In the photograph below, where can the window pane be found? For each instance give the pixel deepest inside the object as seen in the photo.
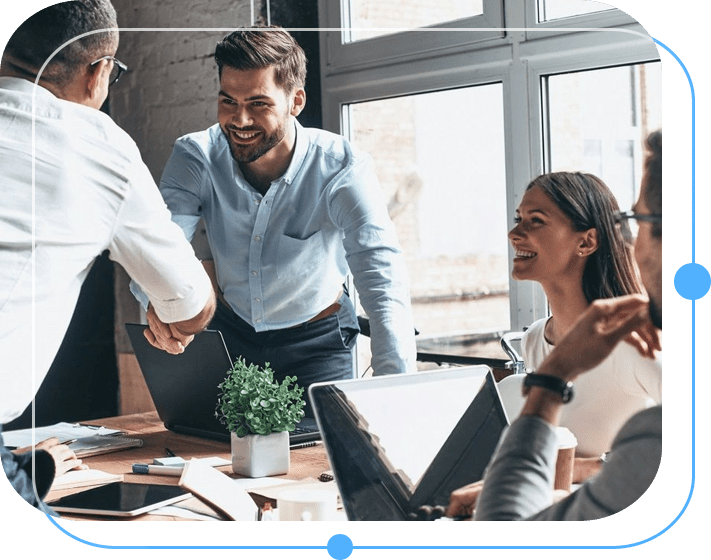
(557, 9)
(440, 161)
(404, 14)
(599, 120)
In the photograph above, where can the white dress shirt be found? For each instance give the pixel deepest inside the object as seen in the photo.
(74, 185)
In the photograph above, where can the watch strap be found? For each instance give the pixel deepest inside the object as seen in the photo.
(551, 383)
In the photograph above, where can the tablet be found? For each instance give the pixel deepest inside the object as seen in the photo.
(119, 499)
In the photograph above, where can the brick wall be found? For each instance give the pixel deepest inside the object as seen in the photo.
(171, 88)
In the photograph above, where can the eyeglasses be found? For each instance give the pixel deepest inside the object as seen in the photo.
(118, 68)
(622, 220)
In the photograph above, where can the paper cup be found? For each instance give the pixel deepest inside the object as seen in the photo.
(567, 443)
(306, 505)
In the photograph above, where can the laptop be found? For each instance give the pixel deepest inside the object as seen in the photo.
(184, 387)
(399, 442)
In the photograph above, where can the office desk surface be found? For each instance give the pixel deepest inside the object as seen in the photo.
(305, 462)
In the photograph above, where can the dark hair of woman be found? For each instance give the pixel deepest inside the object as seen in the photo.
(589, 203)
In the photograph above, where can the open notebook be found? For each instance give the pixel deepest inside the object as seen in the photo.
(399, 442)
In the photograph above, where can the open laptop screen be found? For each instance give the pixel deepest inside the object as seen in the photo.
(400, 441)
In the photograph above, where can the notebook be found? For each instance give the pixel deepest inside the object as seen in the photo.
(184, 387)
(399, 442)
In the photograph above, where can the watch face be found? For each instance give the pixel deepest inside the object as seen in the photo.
(568, 393)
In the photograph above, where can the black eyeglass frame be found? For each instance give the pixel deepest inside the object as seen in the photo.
(630, 215)
(120, 65)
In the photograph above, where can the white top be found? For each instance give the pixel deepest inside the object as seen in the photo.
(604, 398)
(91, 193)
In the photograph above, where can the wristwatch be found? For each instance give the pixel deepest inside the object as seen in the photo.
(551, 383)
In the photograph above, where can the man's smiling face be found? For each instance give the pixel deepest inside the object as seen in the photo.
(253, 112)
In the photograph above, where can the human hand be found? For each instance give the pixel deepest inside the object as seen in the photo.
(463, 500)
(646, 339)
(596, 333)
(164, 336)
(585, 467)
(64, 458)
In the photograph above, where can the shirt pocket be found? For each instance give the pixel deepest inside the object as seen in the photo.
(298, 257)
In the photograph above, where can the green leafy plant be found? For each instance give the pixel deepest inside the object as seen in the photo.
(252, 402)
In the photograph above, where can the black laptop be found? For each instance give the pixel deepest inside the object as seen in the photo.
(184, 387)
(398, 443)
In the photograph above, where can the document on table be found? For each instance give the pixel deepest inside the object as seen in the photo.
(64, 431)
(84, 477)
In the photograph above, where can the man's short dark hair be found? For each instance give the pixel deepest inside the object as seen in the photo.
(47, 30)
(653, 178)
(260, 47)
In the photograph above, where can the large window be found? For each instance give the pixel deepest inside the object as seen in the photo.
(549, 10)
(373, 18)
(446, 188)
(598, 121)
(460, 116)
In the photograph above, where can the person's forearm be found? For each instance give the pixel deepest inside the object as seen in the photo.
(543, 403)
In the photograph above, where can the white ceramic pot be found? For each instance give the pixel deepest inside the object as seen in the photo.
(256, 456)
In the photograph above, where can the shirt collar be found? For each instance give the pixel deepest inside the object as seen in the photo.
(25, 86)
(301, 148)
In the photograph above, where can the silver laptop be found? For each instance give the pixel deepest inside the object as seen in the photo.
(400, 442)
(184, 387)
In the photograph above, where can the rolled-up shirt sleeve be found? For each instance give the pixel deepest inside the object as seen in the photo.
(157, 255)
(378, 267)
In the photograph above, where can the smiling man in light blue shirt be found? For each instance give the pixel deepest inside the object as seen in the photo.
(289, 212)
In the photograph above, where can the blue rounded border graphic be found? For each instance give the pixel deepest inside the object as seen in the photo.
(692, 282)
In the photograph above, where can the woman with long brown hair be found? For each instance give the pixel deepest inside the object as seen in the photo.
(566, 238)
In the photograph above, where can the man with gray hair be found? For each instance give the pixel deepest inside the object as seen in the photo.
(74, 186)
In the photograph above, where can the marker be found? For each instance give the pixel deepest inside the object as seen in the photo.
(141, 468)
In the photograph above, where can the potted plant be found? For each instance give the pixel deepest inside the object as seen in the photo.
(259, 412)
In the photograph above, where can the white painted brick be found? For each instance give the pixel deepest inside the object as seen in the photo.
(172, 85)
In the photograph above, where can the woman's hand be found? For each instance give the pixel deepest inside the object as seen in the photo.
(64, 458)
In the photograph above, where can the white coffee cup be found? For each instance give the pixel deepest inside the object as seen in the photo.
(306, 505)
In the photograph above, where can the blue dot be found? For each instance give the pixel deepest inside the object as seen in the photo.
(692, 281)
(340, 547)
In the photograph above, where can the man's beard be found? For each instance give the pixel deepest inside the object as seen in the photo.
(252, 152)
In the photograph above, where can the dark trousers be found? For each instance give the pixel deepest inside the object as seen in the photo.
(318, 351)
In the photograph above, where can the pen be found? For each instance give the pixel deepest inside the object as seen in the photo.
(141, 468)
(305, 444)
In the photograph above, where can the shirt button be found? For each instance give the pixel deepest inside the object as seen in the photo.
(257, 238)
(254, 273)
(257, 299)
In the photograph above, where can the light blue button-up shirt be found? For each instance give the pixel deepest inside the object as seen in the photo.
(282, 258)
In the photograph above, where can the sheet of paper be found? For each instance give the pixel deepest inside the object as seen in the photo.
(86, 477)
(64, 431)
(216, 489)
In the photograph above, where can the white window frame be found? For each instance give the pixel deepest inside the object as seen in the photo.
(517, 57)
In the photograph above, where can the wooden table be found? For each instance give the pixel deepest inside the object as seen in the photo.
(305, 462)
